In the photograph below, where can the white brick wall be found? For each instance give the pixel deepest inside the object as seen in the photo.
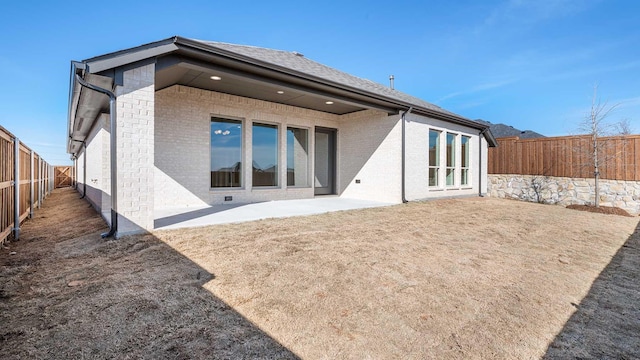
(106, 167)
(368, 146)
(135, 149)
(94, 165)
(80, 179)
(370, 151)
(97, 180)
(417, 135)
(182, 147)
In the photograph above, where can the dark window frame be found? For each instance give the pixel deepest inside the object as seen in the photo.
(264, 177)
(229, 176)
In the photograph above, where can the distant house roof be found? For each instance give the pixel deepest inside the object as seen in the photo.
(267, 66)
(503, 130)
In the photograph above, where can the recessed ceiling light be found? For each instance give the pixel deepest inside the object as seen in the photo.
(329, 102)
(216, 78)
(280, 92)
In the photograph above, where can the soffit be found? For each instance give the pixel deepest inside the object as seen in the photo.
(89, 106)
(255, 86)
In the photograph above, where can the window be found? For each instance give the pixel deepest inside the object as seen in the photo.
(226, 152)
(265, 155)
(451, 159)
(297, 157)
(464, 161)
(434, 157)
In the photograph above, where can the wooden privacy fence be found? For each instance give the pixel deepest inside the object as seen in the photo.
(25, 181)
(567, 156)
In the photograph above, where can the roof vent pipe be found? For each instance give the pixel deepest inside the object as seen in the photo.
(391, 78)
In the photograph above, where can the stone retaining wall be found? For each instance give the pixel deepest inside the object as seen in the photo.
(566, 191)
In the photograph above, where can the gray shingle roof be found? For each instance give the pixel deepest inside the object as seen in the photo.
(503, 130)
(302, 64)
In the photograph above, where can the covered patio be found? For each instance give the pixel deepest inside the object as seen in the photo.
(185, 217)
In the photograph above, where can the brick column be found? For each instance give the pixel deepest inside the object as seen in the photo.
(135, 153)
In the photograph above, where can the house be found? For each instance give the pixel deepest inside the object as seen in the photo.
(183, 122)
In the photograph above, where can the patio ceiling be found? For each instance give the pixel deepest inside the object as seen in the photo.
(188, 72)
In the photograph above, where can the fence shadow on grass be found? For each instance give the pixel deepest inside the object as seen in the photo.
(70, 294)
(606, 324)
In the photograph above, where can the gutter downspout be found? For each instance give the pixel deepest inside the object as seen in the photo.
(480, 161)
(404, 146)
(114, 171)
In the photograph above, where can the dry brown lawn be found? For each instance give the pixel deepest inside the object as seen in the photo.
(466, 278)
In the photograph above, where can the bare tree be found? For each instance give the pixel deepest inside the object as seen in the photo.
(623, 127)
(540, 184)
(595, 124)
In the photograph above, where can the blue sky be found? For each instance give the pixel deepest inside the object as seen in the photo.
(528, 63)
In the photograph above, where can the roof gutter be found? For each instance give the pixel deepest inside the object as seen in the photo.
(114, 171)
(75, 66)
(404, 147)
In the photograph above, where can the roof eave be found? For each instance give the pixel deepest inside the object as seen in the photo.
(128, 56)
(446, 116)
(485, 131)
(491, 140)
(84, 104)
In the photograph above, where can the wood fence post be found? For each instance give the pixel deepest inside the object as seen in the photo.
(16, 189)
(31, 184)
(42, 177)
(39, 182)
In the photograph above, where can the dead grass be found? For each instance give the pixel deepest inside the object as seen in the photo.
(68, 294)
(470, 278)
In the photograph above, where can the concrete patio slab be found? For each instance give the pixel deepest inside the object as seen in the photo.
(176, 218)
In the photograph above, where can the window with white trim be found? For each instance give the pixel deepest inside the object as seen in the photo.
(464, 161)
(434, 157)
(451, 160)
